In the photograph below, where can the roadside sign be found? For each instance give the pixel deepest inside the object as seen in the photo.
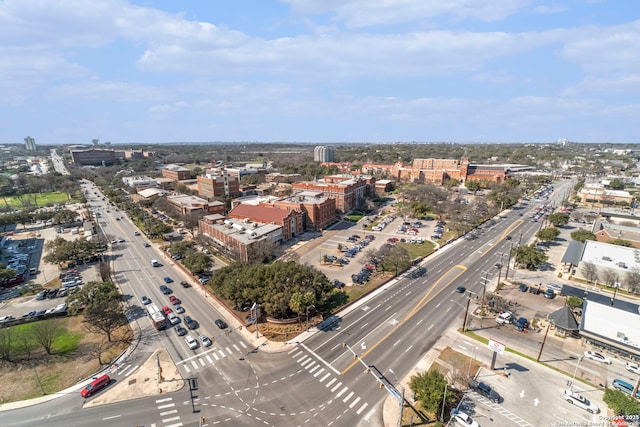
(496, 346)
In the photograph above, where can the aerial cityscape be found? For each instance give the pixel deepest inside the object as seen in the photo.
(297, 284)
(313, 213)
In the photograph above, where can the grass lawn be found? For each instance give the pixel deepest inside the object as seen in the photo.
(36, 199)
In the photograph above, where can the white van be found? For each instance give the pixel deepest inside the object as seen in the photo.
(155, 263)
(504, 318)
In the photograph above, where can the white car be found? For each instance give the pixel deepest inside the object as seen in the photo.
(206, 341)
(580, 401)
(465, 420)
(191, 342)
(598, 357)
(632, 367)
(504, 318)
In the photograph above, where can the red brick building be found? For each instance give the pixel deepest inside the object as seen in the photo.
(211, 186)
(318, 210)
(176, 173)
(290, 219)
(347, 191)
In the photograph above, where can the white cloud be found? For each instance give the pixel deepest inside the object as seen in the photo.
(366, 13)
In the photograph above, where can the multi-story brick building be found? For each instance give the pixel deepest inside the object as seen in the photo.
(93, 157)
(235, 237)
(222, 184)
(438, 171)
(318, 210)
(187, 204)
(289, 218)
(176, 173)
(348, 192)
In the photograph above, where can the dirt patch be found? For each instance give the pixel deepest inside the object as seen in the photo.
(37, 373)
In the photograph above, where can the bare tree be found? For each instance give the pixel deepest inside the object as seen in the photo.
(106, 318)
(590, 272)
(46, 332)
(632, 280)
(6, 343)
(610, 277)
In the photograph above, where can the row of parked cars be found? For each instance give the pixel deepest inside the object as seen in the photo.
(382, 224)
(438, 230)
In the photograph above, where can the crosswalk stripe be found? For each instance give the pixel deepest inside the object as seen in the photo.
(348, 397)
(168, 420)
(302, 358)
(215, 356)
(131, 371)
(194, 364)
(342, 391)
(298, 352)
(335, 387)
(355, 402)
(229, 351)
(166, 399)
(122, 369)
(202, 362)
(359, 411)
(208, 358)
(221, 353)
(243, 344)
(172, 425)
(333, 380)
(236, 347)
(165, 413)
(318, 373)
(168, 405)
(313, 369)
(306, 362)
(186, 368)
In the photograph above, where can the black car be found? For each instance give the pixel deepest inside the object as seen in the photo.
(165, 289)
(180, 330)
(461, 289)
(534, 290)
(185, 284)
(523, 287)
(485, 390)
(220, 323)
(191, 324)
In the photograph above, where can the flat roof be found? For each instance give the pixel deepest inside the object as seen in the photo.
(607, 255)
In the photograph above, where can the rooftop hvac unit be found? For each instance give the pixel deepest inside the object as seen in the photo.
(253, 234)
(238, 227)
(254, 225)
(247, 221)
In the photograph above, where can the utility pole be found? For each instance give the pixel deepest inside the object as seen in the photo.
(544, 339)
(466, 313)
(506, 274)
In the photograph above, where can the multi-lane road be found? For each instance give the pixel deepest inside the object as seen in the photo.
(314, 382)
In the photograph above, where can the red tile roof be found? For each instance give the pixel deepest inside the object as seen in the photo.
(260, 213)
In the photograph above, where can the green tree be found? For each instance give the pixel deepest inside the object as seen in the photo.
(621, 242)
(394, 258)
(106, 318)
(582, 235)
(559, 218)
(428, 388)
(530, 257)
(473, 185)
(616, 184)
(548, 234)
(574, 302)
(197, 262)
(621, 403)
(92, 295)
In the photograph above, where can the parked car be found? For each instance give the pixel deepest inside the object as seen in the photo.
(504, 318)
(523, 288)
(580, 401)
(465, 419)
(485, 390)
(522, 324)
(549, 294)
(597, 357)
(185, 284)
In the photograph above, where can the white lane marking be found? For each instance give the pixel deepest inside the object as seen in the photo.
(318, 373)
(167, 399)
(167, 420)
(236, 347)
(348, 397)
(229, 351)
(335, 387)
(194, 364)
(186, 368)
(209, 359)
(333, 380)
(307, 362)
(221, 353)
(131, 370)
(325, 376)
(243, 344)
(302, 358)
(313, 369)
(165, 413)
(202, 362)
(215, 356)
(110, 418)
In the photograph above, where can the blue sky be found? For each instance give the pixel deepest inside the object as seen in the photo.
(153, 71)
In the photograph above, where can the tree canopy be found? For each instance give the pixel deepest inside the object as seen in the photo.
(273, 287)
(429, 390)
(559, 218)
(582, 235)
(530, 257)
(548, 234)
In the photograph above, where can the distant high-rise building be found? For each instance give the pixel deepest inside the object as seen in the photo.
(30, 143)
(323, 153)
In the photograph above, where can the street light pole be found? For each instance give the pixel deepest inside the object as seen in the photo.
(575, 371)
(466, 313)
(307, 311)
(444, 400)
